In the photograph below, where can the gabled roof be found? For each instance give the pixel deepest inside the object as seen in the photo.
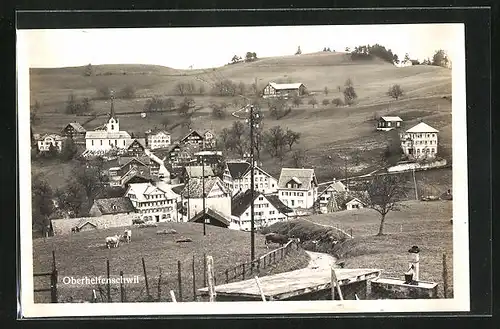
(305, 176)
(197, 171)
(391, 118)
(144, 175)
(276, 202)
(140, 190)
(355, 200)
(192, 132)
(157, 131)
(213, 214)
(140, 141)
(114, 205)
(55, 137)
(281, 86)
(167, 188)
(422, 128)
(101, 134)
(241, 201)
(193, 189)
(122, 161)
(337, 186)
(76, 126)
(238, 169)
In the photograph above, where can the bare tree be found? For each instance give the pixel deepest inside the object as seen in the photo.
(180, 89)
(313, 102)
(275, 140)
(384, 194)
(291, 137)
(395, 91)
(298, 158)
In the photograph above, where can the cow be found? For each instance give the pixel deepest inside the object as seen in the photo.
(75, 229)
(112, 241)
(276, 238)
(127, 236)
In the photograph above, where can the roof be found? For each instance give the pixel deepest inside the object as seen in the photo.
(391, 118)
(144, 173)
(281, 86)
(209, 212)
(422, 128)
(191, 133)
(178, 189)
(142, 189)
(305, 176)
(241, 201)
(238, 169)
(355, 200)
(276, 202)
(122, 161)
(193, 189)
(105, 134)
(114, 205)
(197, 171)
(53, 136)
(337, 186)
(141, 141)
(157, 131)
(78, 127)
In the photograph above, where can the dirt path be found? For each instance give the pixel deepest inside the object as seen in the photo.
(320, 260)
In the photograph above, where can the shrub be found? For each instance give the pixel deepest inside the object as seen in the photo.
(337, 102)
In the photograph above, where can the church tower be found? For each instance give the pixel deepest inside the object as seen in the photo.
(113, 124)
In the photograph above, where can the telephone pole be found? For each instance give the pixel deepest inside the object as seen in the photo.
(203, 191)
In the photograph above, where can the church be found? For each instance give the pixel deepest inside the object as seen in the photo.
(109, 136)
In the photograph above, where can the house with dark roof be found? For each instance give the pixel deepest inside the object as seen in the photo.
(74, 130)
(126, 167)
(211, 217)
(136, 147)
(237, 177)
(268, 209)
(326, 192)
(216, 195)
(192, 138)
(298, 187)
(111, 206)
(196, 172)
(387, 123)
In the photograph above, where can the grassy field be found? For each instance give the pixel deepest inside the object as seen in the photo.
(425, 224)
(85, 254)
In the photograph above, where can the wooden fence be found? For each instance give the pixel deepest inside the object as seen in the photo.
(53, 280)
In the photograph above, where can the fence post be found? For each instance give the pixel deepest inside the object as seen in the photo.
(194, 282)
(145, 277)
(159, 287)
(243, 272)
(204, 270)
(211, 281)
(274, 257)
(122, 299)
(179, 279)
(445, 277)
(53, 280)
(258, 266)
(264, 261)
(352, 236)
(227, 276)
(108, 286)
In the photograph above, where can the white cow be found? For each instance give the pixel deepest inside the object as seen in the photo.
(127, 235)
(112, 241)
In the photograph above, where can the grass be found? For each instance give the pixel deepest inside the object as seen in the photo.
(84, 254)
(425, 224)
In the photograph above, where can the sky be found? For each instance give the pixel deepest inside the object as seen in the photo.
(211, 47)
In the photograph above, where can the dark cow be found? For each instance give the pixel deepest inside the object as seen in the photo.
(75, 229)
(276, 238)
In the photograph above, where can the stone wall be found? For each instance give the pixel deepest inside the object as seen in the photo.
(397, 289)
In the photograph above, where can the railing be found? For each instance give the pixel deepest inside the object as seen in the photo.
(246, 270)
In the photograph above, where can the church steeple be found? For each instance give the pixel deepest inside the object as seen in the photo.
(113, 124)
(112, 110)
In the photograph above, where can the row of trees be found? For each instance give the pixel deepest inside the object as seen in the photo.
(159, 104)
(249, 57)
(369, 52)
(76, 106)
(104, 92)
(189, 88)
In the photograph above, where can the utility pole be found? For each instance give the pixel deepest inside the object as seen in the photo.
(415, 184)
(252, 184)
(203, 189)
(187, 183)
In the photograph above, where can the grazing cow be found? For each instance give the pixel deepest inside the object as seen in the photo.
(112, 241)
(276, 238)
(127, 236)
(75, 229)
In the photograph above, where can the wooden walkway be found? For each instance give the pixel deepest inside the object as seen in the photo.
(291, 284)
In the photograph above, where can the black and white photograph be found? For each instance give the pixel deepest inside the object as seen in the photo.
(255, 169)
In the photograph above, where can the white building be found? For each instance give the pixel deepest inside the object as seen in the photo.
(153, 203)
(298, 188)
(354, 204)
(387, 123)
(283, 90)
(108, 137)
(268, 209)
(420, 141)
(158, 139)
(237, 177)
(326, 194)
(217, 196)
(50, 139)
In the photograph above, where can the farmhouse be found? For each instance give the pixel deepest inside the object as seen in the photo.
(127, 167)
(420, 141)
(193, 138)
(196, 172)
(208, 139)
(268, 209)
(326, 195)
(111, 206)
(283, 90)
(298, 188)
(46, 141)
(157, 139)
(152, 202)
(211, 217)
(210, 158)
(74, 130)
(136, 147)
(237, 176)
(389, 122)
(354, 204)
(216, 195)
(103, 140)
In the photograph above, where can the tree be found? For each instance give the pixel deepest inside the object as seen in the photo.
(169, 103)
(90, 176)
(277, 108)
(180, 89)
(406, 59)
(325, 102)
(218, 111)
(73, 198)
(154, 104)
(296, 101)
(337, 102)
(440, 58)
(128, 92)
(393, 151)
(347, 49)
(41, 200)
(69, 150)
(71, 104)
(325, 91)
(89, 70)
(236, 59)
(254, 56)
(349, 92)
(395, 91)
(298, 158)
(189, 101)
(298, 52)
(35, 108)
(52, 152)
(291, 137)
(238, 133)
(242, 88)
(275, 141)
(313, 102)
(328, 49)
(249, 57)
(384, 194)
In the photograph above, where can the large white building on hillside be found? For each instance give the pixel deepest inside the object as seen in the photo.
(217, 196)
(420, 141)
(153, 203)
(108, 137)
(237, 177)
(298, 188)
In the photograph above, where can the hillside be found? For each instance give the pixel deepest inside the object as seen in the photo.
(325, 130)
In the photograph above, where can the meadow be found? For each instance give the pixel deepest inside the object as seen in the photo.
(327, 132)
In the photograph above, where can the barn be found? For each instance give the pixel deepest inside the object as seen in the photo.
(284, 90)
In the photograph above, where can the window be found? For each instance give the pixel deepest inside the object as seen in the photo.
(101, 142)
(109, 141)
(92, 142)
(309, 193)
(123, 142)
(432, 150)
(261, 198)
